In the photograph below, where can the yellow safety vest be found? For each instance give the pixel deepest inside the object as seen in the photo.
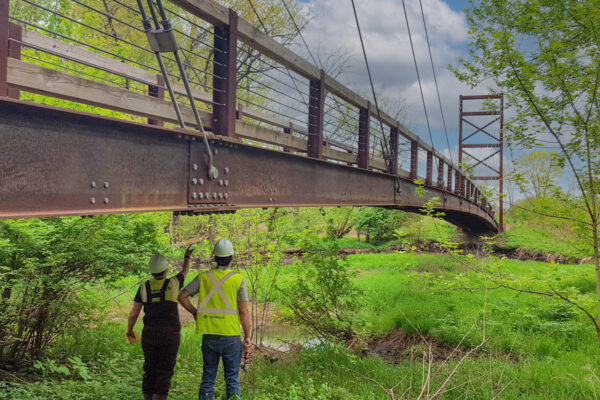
(217, 303)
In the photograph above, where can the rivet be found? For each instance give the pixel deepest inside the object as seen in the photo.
(201, 181)
(93, 200)
(220, 196)
(226, 182)
(194, 181)
(206, 195)
(270, 199)
(201, 195)
(216, 151)
(226, 195)
(220, 182)
(106, 185)
(179, 136)
(93, 184)
(195, 167)
(214, 195)
(226, 170)
(106, 200)
(193, 138)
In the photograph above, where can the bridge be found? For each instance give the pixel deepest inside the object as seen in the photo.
(333, 149)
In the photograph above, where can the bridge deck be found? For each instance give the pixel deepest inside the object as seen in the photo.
(58, 162)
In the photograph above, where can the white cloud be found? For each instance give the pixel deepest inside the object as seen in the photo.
(388, 49)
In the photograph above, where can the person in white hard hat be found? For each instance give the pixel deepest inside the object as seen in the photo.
(222, 307)
(161, 333)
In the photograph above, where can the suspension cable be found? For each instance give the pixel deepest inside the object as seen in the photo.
(299, 32)
(436, 82)
(287, 70)
(367, 63)
(412, 47)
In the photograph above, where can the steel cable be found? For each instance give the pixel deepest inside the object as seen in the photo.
(436, 82)
(412, 47)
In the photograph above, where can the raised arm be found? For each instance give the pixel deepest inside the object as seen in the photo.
(186, 261)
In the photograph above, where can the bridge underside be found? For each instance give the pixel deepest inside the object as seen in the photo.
(57, 163)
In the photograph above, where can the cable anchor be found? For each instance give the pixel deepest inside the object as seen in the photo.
(162, 39)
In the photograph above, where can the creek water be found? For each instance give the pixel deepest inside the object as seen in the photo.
(285, 338)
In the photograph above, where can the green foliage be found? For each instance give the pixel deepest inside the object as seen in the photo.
(46, 262)
(537, 350)
(377, 222)
(323, 299)
(536, 174)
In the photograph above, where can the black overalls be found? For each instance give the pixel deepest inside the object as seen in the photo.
(161, 334)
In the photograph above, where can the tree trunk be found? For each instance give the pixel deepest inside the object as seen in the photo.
(597, 265)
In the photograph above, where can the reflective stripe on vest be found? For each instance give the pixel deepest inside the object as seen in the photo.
(217, 307)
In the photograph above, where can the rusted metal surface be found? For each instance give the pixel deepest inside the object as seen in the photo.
(57, 162)
(3, 46)
(158, 92)
(316, 109)
(414, 160)
(224, 78)
(14, 51)
(429, 170)
(440, 175)
(491, 141)
(364, 136)
(393, 163)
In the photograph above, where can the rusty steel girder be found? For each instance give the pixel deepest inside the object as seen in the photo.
(55, 162)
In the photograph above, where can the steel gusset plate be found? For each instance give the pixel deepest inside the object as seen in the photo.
(56, 162)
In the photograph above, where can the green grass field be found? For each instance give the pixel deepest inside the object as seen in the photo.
(537, 348)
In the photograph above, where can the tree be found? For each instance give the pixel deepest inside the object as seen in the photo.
(323, 298)
(377, 222)
(544, 55)
(536, 174)
(44, 263)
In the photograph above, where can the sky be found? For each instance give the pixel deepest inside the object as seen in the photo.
(389, 53)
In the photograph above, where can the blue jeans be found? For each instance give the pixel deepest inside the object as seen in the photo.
(229, 348)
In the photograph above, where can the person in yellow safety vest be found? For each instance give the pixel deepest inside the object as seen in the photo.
(161, 333)
(222, 306)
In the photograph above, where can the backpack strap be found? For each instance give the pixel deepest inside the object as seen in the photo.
(160, 295)
(163, 290)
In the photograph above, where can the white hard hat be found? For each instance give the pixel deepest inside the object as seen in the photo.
(158, 263)
(223, 248)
